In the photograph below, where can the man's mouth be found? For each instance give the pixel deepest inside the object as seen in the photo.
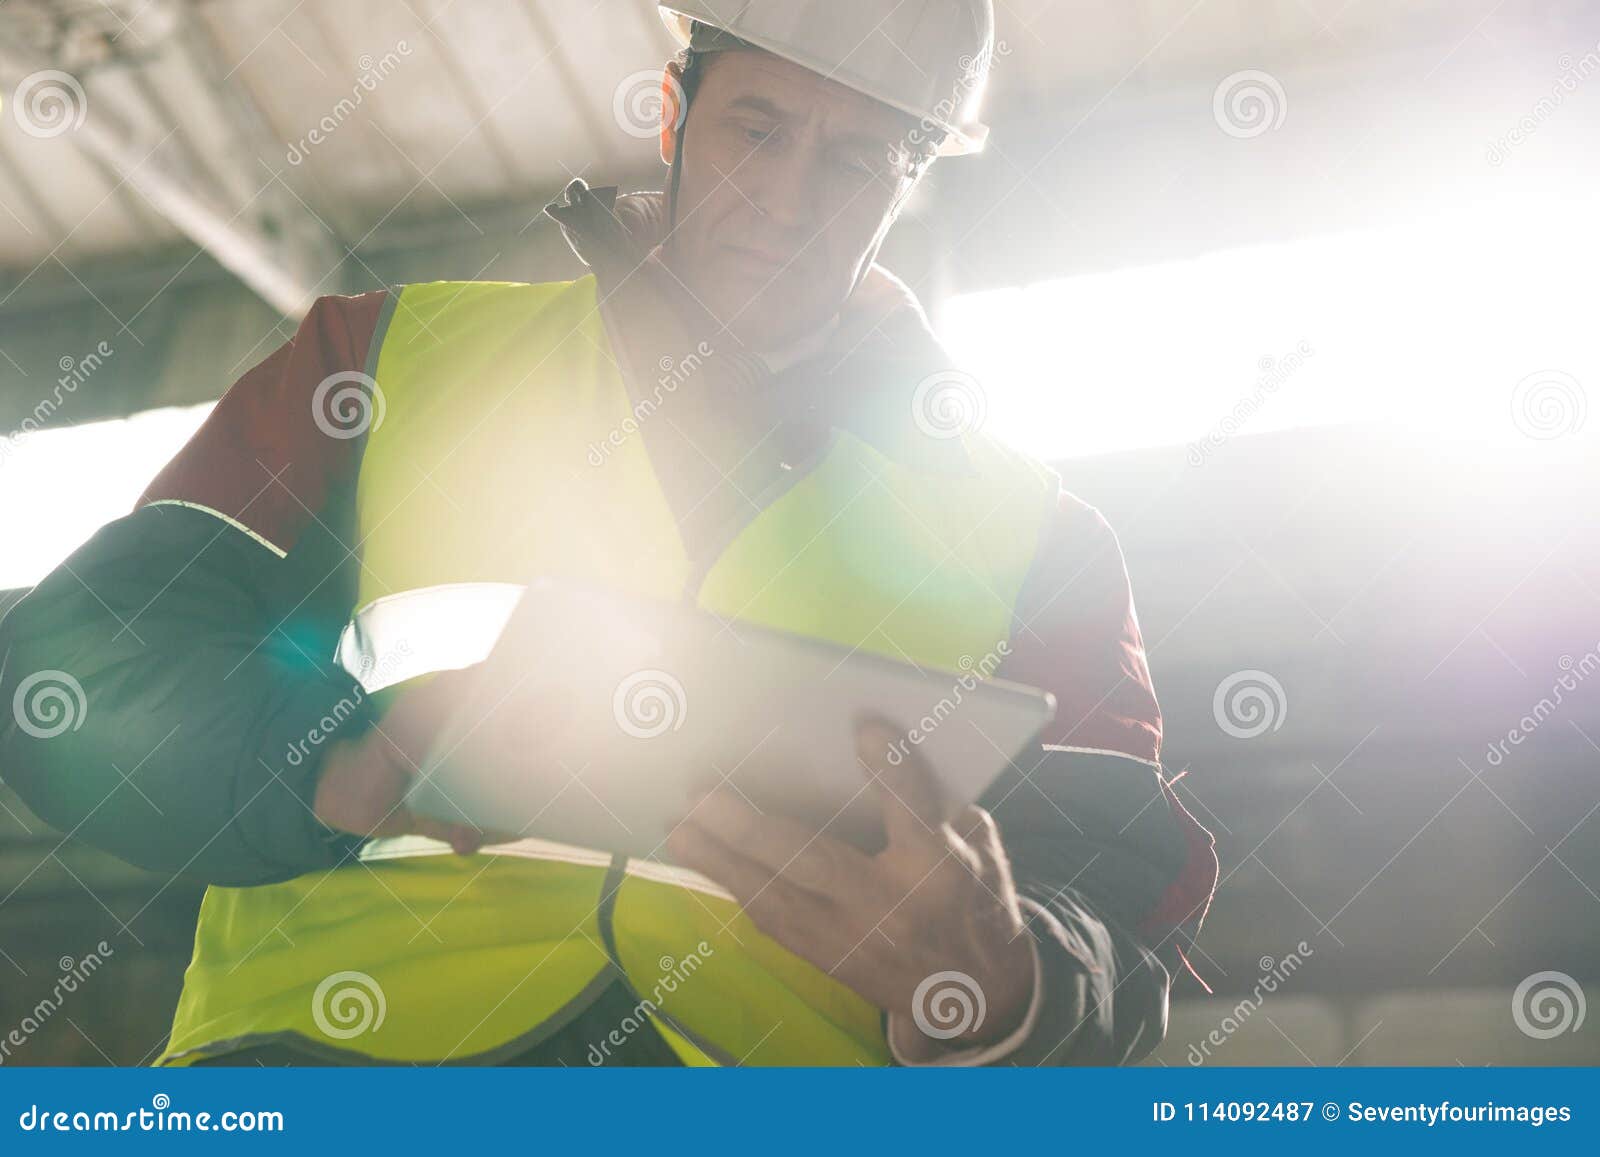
(762, 260)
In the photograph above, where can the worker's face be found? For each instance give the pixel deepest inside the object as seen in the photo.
(789, 183)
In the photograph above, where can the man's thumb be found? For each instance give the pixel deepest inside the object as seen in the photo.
(913, 806)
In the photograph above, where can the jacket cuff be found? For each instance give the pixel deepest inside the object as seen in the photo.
(914, 1049)
(274, 800)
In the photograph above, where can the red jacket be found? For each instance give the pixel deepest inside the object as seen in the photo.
(201, 657)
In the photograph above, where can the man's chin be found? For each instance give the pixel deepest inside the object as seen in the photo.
(767, 323)
(759, 312)
(770, 338)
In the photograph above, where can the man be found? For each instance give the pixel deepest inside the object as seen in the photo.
(735, 409)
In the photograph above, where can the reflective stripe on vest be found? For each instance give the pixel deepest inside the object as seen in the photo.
(482, 474)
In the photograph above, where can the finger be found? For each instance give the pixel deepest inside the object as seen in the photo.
(794, 917)
(694, 847)
(462, 838)
(913, 805)
(799, 854)
(980, 847)
(977, 827)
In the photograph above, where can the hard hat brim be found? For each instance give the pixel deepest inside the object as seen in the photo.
(958, 141)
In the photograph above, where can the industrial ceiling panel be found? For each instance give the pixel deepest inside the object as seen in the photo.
(93, 211)
(508, 85)
(28, 227)
(405, 69)
(438, 110)
(615, 55)
(280, 56)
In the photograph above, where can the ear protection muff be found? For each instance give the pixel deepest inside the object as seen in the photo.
(688, 77)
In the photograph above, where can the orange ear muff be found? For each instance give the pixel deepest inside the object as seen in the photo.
(674, 107)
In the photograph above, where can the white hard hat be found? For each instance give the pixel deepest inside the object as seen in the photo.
(929, 58)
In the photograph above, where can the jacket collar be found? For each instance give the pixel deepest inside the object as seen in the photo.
(861, 371)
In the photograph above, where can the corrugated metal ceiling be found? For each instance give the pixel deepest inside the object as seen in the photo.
(438, 106)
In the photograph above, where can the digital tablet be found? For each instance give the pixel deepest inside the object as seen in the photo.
(598, 718)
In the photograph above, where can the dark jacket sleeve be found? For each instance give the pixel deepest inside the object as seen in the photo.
(172, 682)
(1115, 872)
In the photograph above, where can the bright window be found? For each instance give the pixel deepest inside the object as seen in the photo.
(1479, 326)
(58, 486)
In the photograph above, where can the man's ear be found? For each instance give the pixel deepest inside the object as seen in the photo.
(673, 110)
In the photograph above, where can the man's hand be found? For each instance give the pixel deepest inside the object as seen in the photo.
(364, 781)
(938, 898)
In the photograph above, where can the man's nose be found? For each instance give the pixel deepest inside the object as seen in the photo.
(790, 188)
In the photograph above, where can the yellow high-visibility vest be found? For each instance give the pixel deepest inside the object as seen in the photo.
(482, 471)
